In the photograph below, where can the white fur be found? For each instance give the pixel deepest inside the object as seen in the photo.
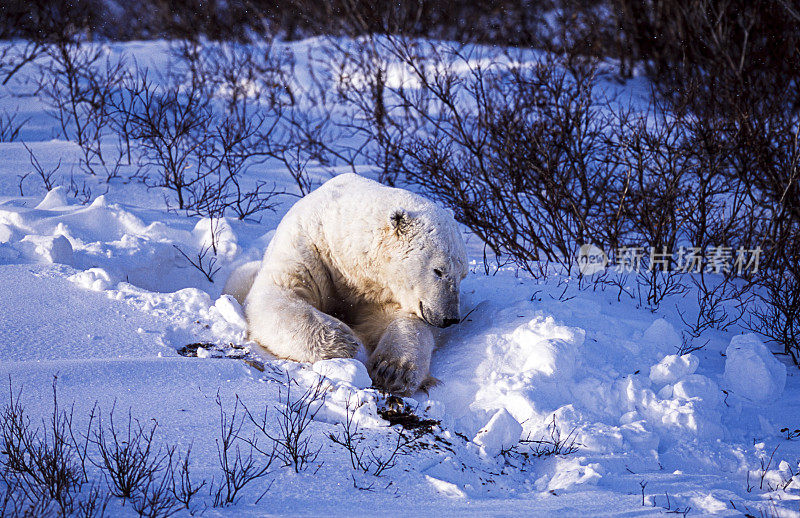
(353, 263)
(241, 279)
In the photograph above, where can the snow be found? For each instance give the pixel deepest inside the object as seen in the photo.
(344, 370)
(5, 234)
(95, 279)
(47, 318)
(501, 433)
(660, 338)
(54, 199)
(673, 368)
(51, 249)
(751, 371)
(99, 295)
(445, 488)
(230, 309)
(219, 232)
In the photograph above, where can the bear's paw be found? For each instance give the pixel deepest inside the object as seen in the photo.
(335, 340)
(395, 375)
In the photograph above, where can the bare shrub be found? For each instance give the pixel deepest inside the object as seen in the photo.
(359, 67)
(364, 458)
(262, 114)
(291, 443)
(45, 175)
(82, 192)
(42, 460)
(555, 442)
(183, 486)
(237, 143)
(733, 67)
(13, 57)
(48, 20)
(169, 124)
(10, 127)
(519, 152)
(241, 74)
(77, 81)
(267, 114)
(42, 468)
(351, 439)
(505, 22)
(651, 151)
(203, 133)
(94, 504)
(205, 264)
(234, 148)
(720, 304)
(128, 455)
(155, 479)
(778, 315)
(239, 469)
(33, 24)
(731, 47)
(777, 312)
(154, 497)
(10, 504)
(514, 22)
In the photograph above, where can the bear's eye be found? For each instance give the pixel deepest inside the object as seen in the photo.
(438, 272)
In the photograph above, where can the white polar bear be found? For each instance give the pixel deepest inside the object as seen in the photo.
(353, 263)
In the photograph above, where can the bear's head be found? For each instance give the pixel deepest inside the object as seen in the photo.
(425, 257)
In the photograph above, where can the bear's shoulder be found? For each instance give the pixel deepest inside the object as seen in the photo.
(345, 187)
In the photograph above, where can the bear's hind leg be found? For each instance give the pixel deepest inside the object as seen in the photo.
(401, 360)
(291, 328)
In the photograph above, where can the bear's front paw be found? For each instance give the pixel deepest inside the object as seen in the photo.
(396, 375)
(336, 341)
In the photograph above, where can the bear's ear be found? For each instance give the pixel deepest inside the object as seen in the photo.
(399, 221)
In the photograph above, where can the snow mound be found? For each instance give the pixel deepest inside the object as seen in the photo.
(216, 234)
(55, 198)
(345, 370)
(95, 279)
(513, 359)
(570, 472)
(697, 387)
(5, 234)
(126, 242)
(661, 337)
(673, 368)
(553, 377)
(500, 433)
(230, 309)
(50, 249)
(445, 488)
(751, 371)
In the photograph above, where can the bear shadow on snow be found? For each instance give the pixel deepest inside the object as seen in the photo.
(357, 263)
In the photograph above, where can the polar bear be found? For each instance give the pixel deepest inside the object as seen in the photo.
(357, 263)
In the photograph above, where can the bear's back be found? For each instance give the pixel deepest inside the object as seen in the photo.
(367, 195)
(347, 215)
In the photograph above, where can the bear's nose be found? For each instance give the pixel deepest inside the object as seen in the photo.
(450, 321)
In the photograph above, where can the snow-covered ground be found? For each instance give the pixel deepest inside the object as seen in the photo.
(99, 295)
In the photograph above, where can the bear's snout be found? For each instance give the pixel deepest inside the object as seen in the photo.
(438, 319)
(450, 322)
